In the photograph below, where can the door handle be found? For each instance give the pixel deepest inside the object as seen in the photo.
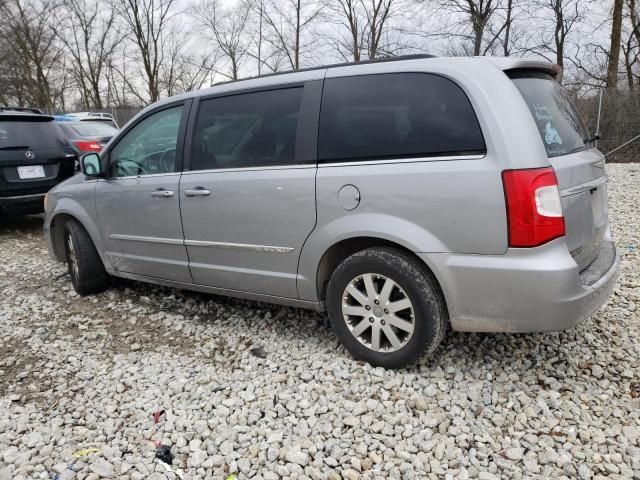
(197, 192)
(161, 193)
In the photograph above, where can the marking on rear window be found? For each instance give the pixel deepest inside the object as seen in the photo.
(551, 135)
(542, 114)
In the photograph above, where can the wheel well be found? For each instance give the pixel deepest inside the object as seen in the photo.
(345, 248)
(57, 234)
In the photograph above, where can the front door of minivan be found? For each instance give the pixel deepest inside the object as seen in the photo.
(248, 197)
(138, 204)
(580, 169)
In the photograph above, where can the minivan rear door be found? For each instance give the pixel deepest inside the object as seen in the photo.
(579, 167)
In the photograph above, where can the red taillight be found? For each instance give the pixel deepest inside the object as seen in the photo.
(91, 146)
(534, 212)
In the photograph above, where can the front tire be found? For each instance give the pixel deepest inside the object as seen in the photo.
(84, 264)
(385, 307)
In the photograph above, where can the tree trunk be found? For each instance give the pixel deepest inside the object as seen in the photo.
(297, 46)
(507, 31)
(614, 50)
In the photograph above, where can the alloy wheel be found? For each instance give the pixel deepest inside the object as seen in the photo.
(378, 312)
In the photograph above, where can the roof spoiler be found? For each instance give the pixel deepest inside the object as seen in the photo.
(509, 63)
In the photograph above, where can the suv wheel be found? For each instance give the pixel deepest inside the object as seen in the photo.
(85, 266)
(385, 307)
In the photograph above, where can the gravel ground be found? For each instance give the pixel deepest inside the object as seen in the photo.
(266, 392)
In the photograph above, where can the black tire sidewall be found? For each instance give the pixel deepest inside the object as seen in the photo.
(418, 287)
(69, 232)
(92, 277)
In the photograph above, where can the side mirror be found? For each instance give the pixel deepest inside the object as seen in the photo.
(90, 164)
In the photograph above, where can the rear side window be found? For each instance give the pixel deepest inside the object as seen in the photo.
(31, 135)
(560, 127)
(398, 115)
(247, 130)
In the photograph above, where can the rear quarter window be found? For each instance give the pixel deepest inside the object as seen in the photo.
(560, 127)
(397, 115)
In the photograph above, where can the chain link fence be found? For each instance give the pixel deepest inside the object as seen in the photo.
(618, 123)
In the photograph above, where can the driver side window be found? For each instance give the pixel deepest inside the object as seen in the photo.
(149, 148)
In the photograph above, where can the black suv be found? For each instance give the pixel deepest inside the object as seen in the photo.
(34, 157)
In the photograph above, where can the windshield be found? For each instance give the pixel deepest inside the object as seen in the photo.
(31, 135)
(90, 129)
(560, 127)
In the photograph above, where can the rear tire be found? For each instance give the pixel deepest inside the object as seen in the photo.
(386, 308)
(84, 264)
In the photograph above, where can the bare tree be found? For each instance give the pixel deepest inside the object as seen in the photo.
(349, 39)
(288, 22)
(508, 23)
(560, 18)
(183, 71)
(88, 32)
(631, 47)
(32, 53)
(477, 15)
(614, 48)
(228, 28)
(363, 28)
(146, 22)
(377, 14)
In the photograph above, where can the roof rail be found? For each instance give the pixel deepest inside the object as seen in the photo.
(417, 56)
(21, 109)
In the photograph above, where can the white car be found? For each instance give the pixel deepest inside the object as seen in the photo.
(94, 117)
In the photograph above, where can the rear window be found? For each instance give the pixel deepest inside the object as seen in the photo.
(560, 127)
(33, 135)
(397, 115)
(89, 129)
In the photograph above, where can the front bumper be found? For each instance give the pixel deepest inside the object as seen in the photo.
(23, 203)
(525, 290)
(46, 230)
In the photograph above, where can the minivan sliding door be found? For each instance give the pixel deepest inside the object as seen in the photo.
(248, 197)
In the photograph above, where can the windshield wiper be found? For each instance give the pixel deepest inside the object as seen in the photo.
(15, 147)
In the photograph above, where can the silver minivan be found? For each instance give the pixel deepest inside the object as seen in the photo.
(401, 196)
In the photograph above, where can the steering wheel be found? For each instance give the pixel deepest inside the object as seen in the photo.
(128, 168)
(167, 160)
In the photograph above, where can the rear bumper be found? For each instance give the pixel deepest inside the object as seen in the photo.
(23, 203)
(525, 290)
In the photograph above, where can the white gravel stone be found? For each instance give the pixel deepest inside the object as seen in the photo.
(102, 468)
(514, 453)
(296, 456)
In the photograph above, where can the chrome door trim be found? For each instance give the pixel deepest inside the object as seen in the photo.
(238, 246)
(137, 238)
(146, 175)
(252, 169)
(400, 160)
(584, 187)
(202, 243)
